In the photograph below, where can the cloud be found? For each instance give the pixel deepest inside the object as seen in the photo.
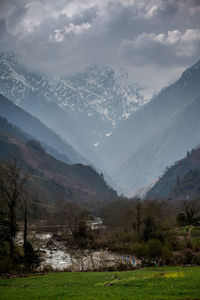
(173, 48)
(67, 36)
(6, 9)
(59, 35)
(77, 29)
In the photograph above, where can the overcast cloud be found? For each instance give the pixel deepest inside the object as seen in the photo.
(155, 40)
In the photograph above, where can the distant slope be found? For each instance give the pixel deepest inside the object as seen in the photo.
(154, 115)
(52, 180)
(38, 130)
(156, 135)
(161, 149)
(181, 179)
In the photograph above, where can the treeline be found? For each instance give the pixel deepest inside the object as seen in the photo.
(161, 232)
(158, 232)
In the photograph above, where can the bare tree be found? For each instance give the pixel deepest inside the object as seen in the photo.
(189, 210)
(12, 184)
(25, 200)
(138, 218)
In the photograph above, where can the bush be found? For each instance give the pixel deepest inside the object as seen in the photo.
(151, 252)
(138, 249)
(181, 219)
(8, 265)
(31, 258)
(153, 249)
(187, 257)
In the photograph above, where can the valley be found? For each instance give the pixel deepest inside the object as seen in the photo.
(105, 121)
(99, 149)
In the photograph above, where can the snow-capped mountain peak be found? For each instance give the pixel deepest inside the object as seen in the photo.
(98, 97)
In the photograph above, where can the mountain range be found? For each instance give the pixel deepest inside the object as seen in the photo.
(83, 108)
(105, 119)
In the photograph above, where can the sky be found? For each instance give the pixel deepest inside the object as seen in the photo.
(154, 40)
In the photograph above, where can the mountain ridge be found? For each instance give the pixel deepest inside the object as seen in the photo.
(50, 179)
(93, 101)
(152, 138)
(37, 129)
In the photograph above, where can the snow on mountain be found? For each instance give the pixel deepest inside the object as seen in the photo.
(12, 80)
(97, 91)
(104, 92)
(84, 108)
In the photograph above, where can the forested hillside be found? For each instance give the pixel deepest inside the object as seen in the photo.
(180, 180)
(52, 180)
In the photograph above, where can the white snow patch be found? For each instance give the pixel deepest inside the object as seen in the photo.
(108, 134)
(126, 115)
(96, 144)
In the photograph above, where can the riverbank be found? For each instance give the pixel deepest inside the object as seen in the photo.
(55, 255)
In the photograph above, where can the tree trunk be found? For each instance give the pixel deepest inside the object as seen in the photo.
(13, 229)
(25, 228)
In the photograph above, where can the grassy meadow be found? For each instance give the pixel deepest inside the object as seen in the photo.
(149, 283)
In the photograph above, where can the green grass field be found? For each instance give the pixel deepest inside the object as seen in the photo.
(151, 283)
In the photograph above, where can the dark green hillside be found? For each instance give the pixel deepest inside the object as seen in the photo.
(181, 179)
(188, 187)
(53, 180)
(38, 130)
(9, 128)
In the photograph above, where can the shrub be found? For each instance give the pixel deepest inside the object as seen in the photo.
(151, 252)
(31, 258)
